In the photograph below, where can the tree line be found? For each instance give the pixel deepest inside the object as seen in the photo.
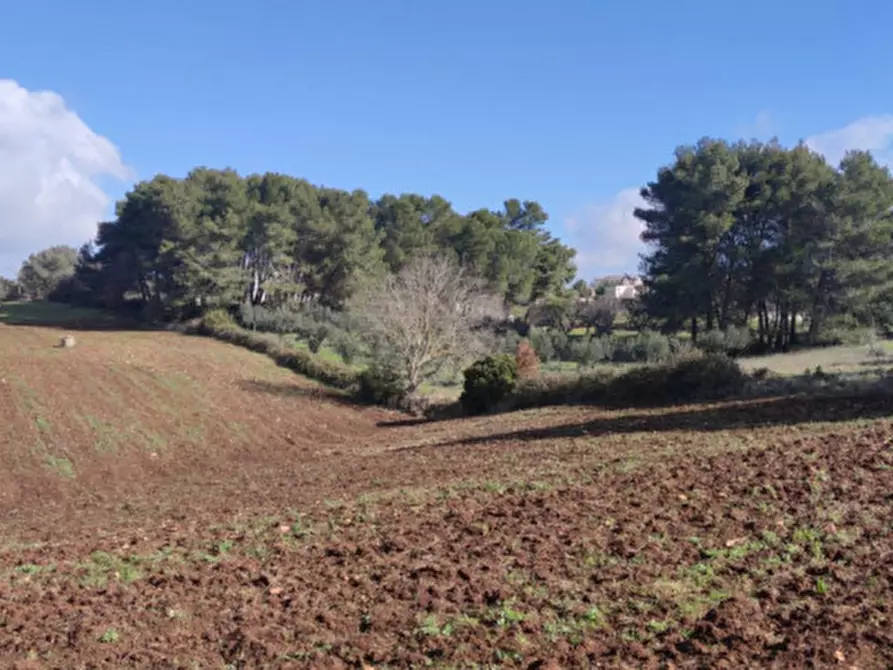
(752, 234)
(178, 247)
(739, 236)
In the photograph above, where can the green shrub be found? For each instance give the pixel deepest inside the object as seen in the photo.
(381, 384)
(712, 342)
(220, 325)
(217, 320)
(347, 348)
(694, 377)
(542, 344)
(310, 365)
(581, 352)
(738, 340)
(586, 388)
(691, 378)
(487, 382)
(652, 347)
(315, 337)
(647, 347)
(603, 348)
(561, 345)
(587, 352)
(310, 322)
(623, 350)
(834, 335)
(680, 348)
(732, 341)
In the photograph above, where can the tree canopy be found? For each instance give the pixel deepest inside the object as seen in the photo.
(738, 235)
(216, 238)
(43, 272)
(9, 290)
(749, 232)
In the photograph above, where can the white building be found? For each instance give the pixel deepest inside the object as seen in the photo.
(628, 288)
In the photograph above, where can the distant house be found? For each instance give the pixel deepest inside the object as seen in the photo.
(621, 287)
(628, 288)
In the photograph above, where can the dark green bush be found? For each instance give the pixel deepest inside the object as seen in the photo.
(380, 384)
(315, 337)
(487, 382)
(546, 390)
(694, 377)
(706, 377)
(690, 378)
(347, 347)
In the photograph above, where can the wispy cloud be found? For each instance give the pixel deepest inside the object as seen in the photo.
(606, 235)
(870, 133)
(50, 161)
(761, 128)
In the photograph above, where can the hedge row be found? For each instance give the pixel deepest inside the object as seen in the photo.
(691, 378)
(221, 326)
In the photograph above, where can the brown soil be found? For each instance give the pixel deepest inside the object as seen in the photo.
(172, 502)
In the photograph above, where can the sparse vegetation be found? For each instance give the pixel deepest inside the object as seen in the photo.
(222, 326)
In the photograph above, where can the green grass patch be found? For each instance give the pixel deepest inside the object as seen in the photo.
(61, 466)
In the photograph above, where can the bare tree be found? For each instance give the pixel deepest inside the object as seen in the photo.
(425, 318)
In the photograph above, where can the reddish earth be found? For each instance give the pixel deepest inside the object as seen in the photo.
(172, 502)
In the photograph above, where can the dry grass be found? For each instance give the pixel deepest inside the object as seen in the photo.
(841, 359)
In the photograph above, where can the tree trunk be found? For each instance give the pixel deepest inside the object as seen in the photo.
(763, 316)
(726, 300)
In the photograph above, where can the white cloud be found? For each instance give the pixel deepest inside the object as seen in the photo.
(870, 133)
(606, 235)
(50, 161)
(761, 128)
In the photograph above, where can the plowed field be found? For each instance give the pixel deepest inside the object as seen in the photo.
(173, 502)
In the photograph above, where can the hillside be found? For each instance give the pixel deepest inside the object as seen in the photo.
(171, 501)
(132, 408)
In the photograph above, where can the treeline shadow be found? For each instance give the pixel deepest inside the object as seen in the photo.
(763, 413)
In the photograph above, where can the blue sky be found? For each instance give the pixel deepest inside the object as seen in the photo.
(575, 104)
